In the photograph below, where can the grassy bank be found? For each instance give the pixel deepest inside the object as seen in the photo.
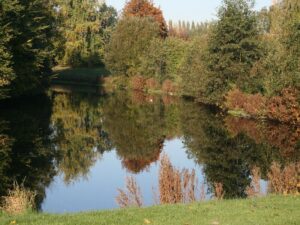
(82, 76)
(270, 210)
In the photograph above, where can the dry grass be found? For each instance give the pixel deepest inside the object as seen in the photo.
(285, 180)
(170, 188)
(254, 189)
(18, 200)
(219, 192)
(175, 186)
(132, 196)
(202, 192)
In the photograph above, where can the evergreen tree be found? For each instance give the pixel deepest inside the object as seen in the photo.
(27, 29)
(233, 47)
(6, 71)
(86, 27)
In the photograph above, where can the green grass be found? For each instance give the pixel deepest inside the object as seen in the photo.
(238, 113)
(277, 210)
(90, 76)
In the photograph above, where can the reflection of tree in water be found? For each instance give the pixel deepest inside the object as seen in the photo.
(136, 130)
(227, 158)
(78, 133)
(25, 146)
(5, 153)
(284, 137)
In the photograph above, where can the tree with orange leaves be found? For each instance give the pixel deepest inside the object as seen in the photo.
(146, 8)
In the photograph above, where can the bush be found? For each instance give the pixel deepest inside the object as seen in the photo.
(169, 87)
(18, 200)
(137, 83)
(253, 105)
(285, 108)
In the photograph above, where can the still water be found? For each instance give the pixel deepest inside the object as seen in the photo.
(75, 146)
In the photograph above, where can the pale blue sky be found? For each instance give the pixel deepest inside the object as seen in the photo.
(197, 10)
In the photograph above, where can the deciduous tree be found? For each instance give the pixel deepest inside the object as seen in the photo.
(145, 8)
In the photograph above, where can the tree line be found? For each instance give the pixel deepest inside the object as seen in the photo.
(37, 35)
(246, 61)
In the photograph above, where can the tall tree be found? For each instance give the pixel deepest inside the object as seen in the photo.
(233, 46)
(281, 67)
(86, 26)
(6, 71)
(145, 8)
(129, 43)
(27, 29)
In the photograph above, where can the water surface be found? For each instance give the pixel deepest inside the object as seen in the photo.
(75, 147)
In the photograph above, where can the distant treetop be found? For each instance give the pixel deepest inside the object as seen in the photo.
(145, 8)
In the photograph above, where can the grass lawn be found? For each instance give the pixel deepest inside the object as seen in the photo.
(90, 76)
(260, 211)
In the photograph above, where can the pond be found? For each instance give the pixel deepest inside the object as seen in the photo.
(75, 146)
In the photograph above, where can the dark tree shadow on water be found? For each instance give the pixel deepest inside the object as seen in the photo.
(26, 145)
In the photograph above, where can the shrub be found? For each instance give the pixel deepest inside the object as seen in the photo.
(252, 104)
(137, 83)
(169, 87)
(176, 186)
(18, 200)
(285, 180)
(285, 108)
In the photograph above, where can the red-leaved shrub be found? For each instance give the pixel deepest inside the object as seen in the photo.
(168, 86)
(137, 83)
(252, 104)
(285, 108)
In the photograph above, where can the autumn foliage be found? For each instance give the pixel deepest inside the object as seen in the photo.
(285, 107)
(169, 86)
(137, 83)
(285, 180)
(145, 8)
(251, 104)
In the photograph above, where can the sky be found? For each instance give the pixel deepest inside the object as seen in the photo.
(188, 10)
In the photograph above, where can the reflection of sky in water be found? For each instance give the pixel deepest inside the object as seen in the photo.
(99, 189)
